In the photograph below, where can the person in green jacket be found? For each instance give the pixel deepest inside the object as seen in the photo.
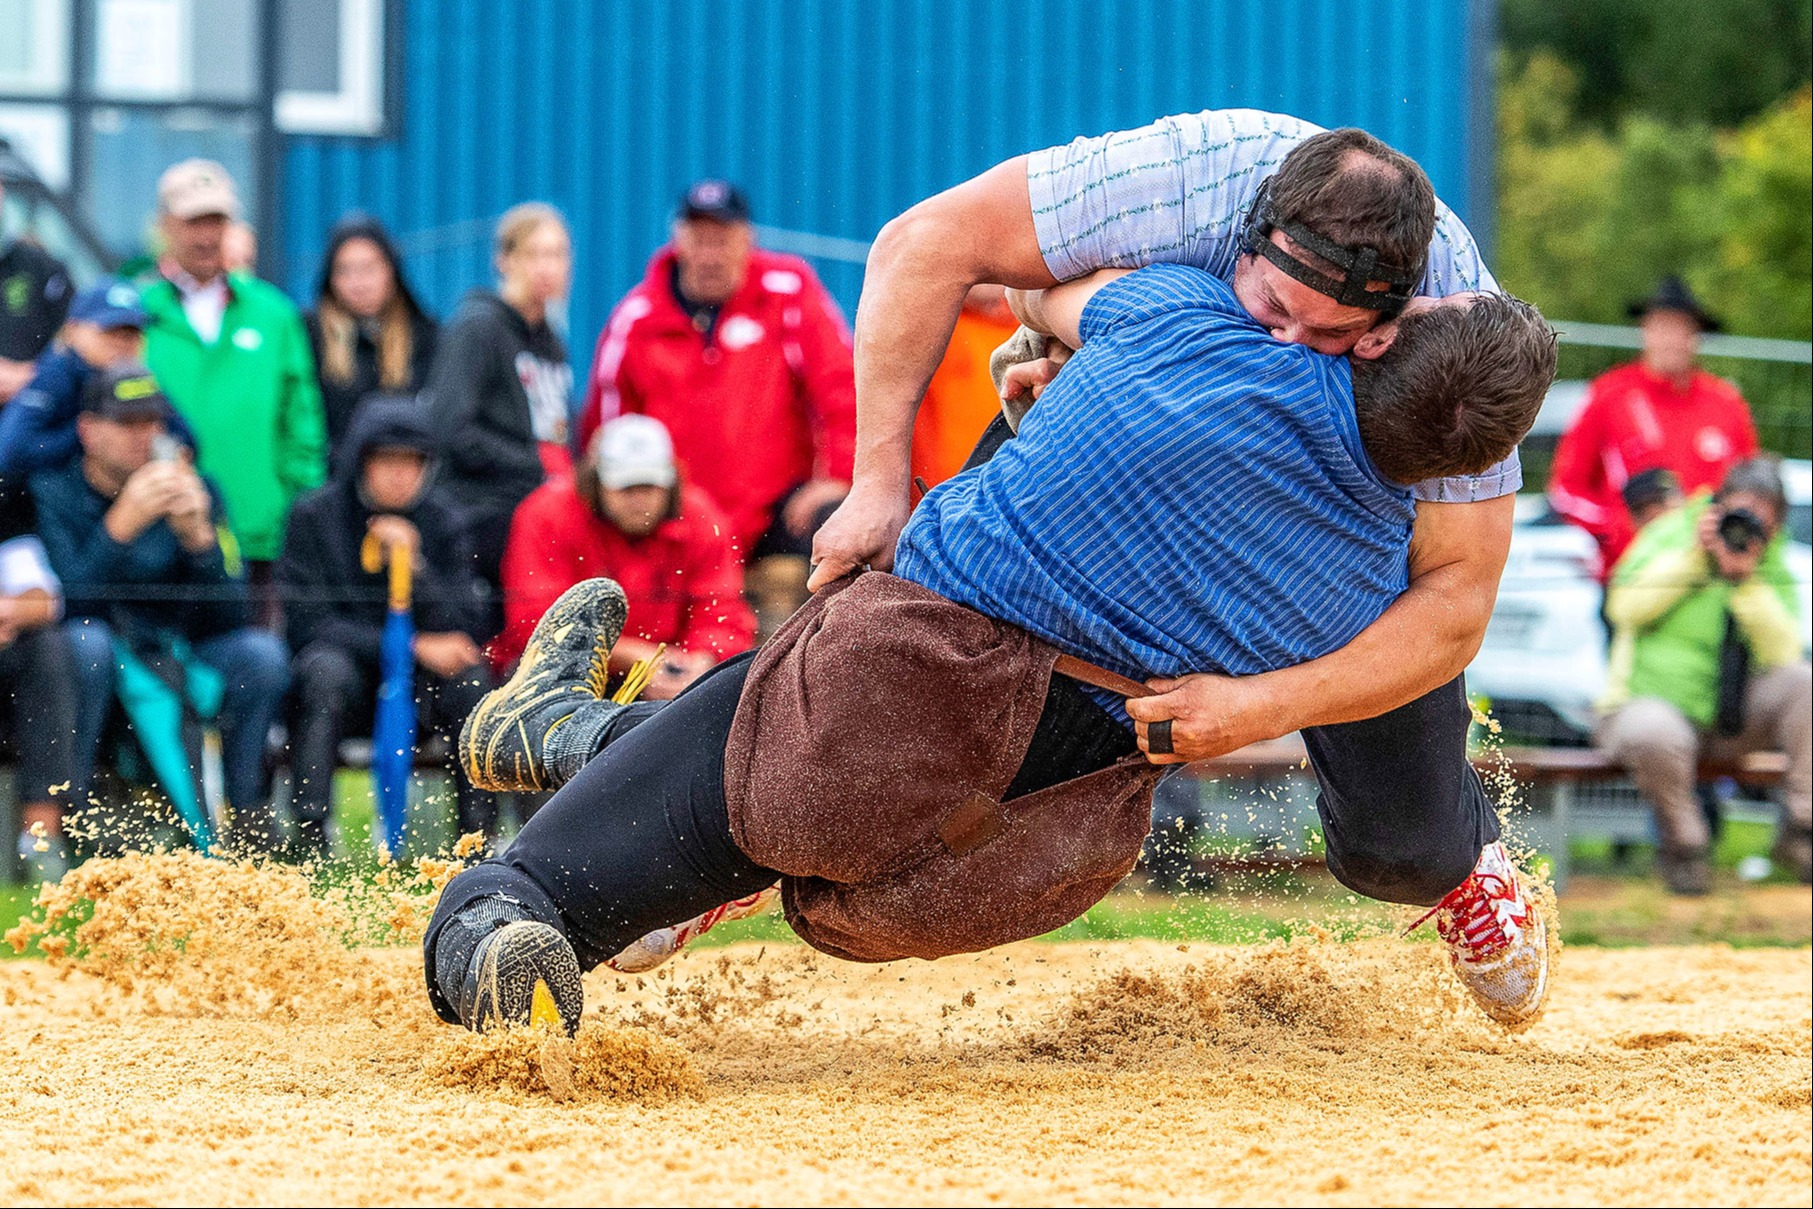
(1707, 660)
(233, 356)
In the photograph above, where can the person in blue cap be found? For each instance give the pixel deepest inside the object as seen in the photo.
(105, 327)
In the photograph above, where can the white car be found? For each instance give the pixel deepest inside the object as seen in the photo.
(1542, 664)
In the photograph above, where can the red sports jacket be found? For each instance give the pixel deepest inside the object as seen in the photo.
(768, 403)
(1634, 421)
(684, 580)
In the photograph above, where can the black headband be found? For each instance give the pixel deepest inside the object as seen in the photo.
(1362, 264)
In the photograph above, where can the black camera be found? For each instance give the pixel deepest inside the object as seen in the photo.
(1740, 529)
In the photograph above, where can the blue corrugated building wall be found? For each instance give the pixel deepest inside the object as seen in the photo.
(836, 116)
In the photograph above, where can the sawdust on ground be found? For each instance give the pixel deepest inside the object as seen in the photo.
(211, 1033)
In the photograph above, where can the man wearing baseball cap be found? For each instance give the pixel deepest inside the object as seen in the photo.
(141, 544)
(626, 513)
(1659, 412)
(745, 358)
(232, 352)
(106, 327)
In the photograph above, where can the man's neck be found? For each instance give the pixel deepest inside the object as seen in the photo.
(188, 283)
(1679, 381)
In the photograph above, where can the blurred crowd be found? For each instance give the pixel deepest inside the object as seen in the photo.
(202, 488)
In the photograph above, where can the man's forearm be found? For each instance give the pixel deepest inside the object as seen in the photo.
(1425, 639)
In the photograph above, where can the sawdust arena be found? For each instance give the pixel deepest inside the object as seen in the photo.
(208, 1033)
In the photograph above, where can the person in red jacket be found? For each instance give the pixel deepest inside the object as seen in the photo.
(746, 359)
(1660, 412)
(626, 514)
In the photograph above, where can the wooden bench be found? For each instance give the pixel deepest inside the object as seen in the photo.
(1551, 780)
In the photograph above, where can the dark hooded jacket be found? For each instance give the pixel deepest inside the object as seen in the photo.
(340, 399)
(328, 595)
(481, 405)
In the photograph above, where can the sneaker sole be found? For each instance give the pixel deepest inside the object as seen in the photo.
(501, 717)
(528, 975)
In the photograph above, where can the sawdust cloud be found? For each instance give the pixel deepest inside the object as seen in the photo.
(211, 1032)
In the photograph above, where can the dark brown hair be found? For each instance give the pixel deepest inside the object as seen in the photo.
(1347, 186)
(1457, 390)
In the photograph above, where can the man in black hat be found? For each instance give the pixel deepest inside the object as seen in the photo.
(140, 542)
(745, 358)
(1659, 412)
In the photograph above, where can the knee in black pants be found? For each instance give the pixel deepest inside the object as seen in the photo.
(326, 679)
(1418, 874)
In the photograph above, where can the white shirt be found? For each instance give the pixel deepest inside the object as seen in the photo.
(204, 303)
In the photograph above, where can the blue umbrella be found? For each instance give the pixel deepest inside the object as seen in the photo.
(393, 733)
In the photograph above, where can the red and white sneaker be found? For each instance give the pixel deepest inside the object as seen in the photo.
(1496, 939)
(663, 943)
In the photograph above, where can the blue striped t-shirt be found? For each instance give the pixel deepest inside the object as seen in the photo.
(1190, 495)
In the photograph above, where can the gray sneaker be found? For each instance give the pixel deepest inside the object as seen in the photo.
(524, 973)
(512, 739)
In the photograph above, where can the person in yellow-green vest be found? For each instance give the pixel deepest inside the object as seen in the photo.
(232, 354)
(1707, 659)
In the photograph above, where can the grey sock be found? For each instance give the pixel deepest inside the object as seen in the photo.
(459, 939)
(577, 740)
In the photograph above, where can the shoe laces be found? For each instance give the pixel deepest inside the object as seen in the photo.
(1482, 917)
(598, 672)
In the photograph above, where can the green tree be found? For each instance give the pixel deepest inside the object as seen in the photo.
(1763, 202)
(1714, 62)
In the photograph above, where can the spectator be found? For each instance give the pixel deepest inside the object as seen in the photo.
(501, 384)
(961, 399)
(37, 675)
(1659, 412)
(233, 355)
(382, 486)
(743, 355)
(368, 332)
(141, 544)
(1706, 660)
(627, 514)
(38, 428)
(1648, 494)
(34, 296)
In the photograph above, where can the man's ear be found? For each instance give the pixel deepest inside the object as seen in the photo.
(1373, 344)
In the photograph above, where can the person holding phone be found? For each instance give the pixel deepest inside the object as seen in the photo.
(141, 543)
(1708, 659)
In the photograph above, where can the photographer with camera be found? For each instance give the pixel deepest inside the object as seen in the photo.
(1707, 661)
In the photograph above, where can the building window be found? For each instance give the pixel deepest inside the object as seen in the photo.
(34, 54)
(330, 76)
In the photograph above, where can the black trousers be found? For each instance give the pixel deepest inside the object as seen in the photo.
(640, 839)
(1404, 814)
(335, 691)
(38, 678)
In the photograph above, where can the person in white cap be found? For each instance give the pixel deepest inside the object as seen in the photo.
(233, 355)
(626, 512)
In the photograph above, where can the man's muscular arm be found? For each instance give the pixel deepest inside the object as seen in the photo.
(1425, 639)
(919, 269)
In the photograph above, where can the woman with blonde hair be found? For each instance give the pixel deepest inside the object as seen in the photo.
(501, 383)
(368, 332)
